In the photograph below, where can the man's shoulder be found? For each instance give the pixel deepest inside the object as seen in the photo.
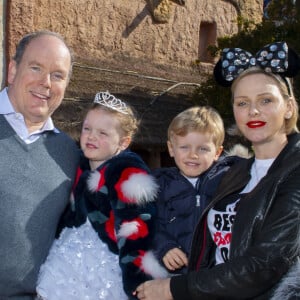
(65, 137)
(62, 144)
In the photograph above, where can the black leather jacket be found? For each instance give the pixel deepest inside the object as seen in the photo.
(265, 235)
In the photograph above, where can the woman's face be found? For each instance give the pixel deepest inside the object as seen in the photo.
(260, 110)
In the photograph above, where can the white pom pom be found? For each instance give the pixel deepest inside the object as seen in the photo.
(93, 181)
(141, 188)
(152, 267)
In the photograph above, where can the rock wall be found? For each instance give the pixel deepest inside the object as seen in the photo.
(126, 31)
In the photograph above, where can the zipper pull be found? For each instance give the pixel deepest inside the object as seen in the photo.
(172, 219)
(197, 200)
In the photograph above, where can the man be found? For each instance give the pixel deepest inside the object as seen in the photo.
(37, 161)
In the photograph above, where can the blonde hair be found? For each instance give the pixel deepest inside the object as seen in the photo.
(285, 87)
(202, 119)
(128, 121)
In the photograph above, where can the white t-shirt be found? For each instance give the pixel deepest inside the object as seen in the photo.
(221, 217)
(192, 180)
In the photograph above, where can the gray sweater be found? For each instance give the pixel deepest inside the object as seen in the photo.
(35, 184)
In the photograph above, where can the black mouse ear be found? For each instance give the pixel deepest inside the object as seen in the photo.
(218, 75)
(293, 64)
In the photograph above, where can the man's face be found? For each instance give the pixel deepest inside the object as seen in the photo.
(37, 85)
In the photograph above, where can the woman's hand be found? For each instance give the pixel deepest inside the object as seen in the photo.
(154, 289)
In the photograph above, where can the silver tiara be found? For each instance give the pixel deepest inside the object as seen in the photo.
(109, 100)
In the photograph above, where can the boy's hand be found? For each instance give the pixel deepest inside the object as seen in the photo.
(175, 259)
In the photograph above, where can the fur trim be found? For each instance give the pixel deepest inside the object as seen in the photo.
(136, 186)
(133, 230)
(289, 287)
(151, 266)
(72, 201)
(96, 180)
(78, 174)
(239, 150)
(110, 227)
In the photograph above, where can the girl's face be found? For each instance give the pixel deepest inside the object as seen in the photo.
(100, 137)
(260, 110)
(193, 153)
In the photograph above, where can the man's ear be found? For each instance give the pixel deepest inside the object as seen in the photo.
(170, 149)
(12, 70)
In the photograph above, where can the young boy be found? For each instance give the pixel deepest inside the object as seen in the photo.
(195, 138)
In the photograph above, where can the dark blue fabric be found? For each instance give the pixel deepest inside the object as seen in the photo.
(177, 209)
(104, 207)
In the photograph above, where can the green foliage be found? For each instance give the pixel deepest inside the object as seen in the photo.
(281, 24)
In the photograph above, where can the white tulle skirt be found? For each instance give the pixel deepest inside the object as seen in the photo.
(80, 267)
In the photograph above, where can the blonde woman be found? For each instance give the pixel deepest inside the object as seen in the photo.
(257, 205)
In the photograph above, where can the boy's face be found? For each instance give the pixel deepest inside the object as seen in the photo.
(193, 153)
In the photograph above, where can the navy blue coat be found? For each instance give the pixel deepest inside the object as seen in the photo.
(180, 205)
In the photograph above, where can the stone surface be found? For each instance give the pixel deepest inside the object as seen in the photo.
(123, 31)
(136, 49)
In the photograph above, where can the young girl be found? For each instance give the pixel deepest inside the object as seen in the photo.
(103, 253)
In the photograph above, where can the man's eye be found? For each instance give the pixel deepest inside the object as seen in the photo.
(35, 68)
(57, 76)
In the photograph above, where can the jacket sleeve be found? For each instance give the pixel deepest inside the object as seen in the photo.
(256, 269)
(133, 215)
(163, 241)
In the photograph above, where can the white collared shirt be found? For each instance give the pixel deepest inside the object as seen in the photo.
(17, 122)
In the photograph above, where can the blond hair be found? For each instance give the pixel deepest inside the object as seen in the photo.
(285, 87)
(202, 119)
(128, 121)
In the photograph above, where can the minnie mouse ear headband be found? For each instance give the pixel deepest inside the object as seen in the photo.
(275, 58)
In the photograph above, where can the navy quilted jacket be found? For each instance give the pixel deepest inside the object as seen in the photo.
(180, 205)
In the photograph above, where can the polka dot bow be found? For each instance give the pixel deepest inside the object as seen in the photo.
(277, 58)
(272, 58)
